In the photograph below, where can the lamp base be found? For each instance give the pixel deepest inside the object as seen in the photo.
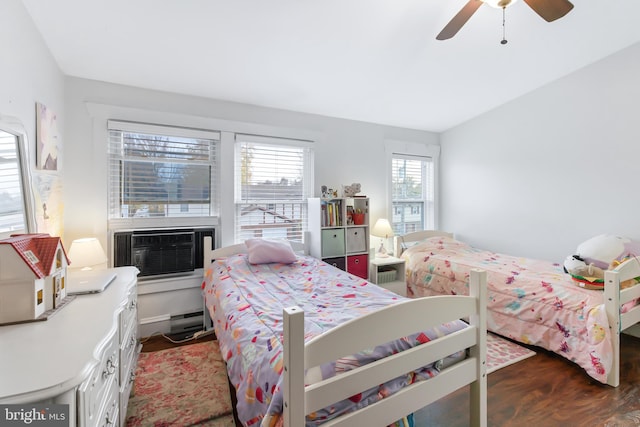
(382, 252)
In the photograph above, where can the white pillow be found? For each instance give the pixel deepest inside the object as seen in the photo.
(266, 251)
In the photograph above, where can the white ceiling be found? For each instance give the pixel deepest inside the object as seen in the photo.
(369, 60)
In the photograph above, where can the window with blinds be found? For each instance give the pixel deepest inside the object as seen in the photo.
(161, 171)
(12, 218)
(412, 193)
(273, 179)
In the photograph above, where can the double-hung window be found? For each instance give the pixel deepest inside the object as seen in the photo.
(412, 193)
(12, 212)
(161, 172)
(273, 179)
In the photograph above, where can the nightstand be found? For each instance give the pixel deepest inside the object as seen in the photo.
(388, 273)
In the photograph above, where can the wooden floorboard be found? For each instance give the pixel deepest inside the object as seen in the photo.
(545, 390)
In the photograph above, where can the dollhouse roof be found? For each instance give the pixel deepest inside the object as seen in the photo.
(38, 251)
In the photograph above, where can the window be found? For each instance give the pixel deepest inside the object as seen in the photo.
(273, 179)
(412, 193)
(15, 201)
(161, 171)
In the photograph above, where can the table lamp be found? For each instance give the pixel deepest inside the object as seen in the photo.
(382, 229)
(87, 254)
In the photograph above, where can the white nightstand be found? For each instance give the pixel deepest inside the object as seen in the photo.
(389, 274)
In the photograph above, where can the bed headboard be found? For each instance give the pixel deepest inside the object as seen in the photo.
(210, 253)
(416, 236)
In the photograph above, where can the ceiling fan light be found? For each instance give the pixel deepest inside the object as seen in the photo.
(499, 4)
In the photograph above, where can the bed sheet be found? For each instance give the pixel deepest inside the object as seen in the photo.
(246, 301)
(531, 301)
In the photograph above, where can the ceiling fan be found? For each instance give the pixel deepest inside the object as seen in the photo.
(549, 10)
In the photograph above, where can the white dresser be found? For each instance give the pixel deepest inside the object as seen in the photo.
(84, 355)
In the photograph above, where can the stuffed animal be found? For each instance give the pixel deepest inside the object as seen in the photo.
(586, 275)
(350, 190)
(602, 250)
(589, 276)
(626, 283)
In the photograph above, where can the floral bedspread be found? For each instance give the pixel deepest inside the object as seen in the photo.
(246, 301)
(530, 301)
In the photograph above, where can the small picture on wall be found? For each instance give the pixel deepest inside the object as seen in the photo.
(47, 138)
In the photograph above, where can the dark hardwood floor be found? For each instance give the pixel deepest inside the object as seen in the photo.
(543, 391)
(160, 342)
(546, 391)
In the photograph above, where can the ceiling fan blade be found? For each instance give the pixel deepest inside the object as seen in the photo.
(459, 20)
(550, 10)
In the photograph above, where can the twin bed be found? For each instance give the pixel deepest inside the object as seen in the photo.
(308, 344)
(531, 301)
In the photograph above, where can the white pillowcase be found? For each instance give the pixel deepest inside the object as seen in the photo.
(265, 251)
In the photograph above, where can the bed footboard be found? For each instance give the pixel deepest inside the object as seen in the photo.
(390, 323)
(614, 300)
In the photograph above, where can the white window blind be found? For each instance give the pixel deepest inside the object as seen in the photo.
(11, 202)
(161, 171)
(273, 179)
(412, 193)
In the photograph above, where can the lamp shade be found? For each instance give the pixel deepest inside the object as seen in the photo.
(86, 253)
(382, 228)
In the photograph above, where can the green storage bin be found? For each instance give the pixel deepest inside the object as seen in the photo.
(333, 242)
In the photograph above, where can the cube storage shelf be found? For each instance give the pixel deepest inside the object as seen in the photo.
(339, 233)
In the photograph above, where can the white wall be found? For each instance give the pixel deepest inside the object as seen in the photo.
(28, 73)
(346, 151)
(538, 175)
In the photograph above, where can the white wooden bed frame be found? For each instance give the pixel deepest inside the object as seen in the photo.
(614, 297)
(393, 322)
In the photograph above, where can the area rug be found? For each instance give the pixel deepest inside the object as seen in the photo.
(502, 353)
(181, 386)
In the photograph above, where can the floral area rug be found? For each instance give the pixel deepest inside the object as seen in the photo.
(181, 386)
(501, 353)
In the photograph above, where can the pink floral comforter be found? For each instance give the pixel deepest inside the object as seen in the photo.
(246, 301)
(529, 300)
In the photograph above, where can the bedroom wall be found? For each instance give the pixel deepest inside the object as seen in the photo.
(346, 151)
(28, 74)
(539, 175)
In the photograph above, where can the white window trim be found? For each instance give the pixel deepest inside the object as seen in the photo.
(415, 151)
(240, 137)
(225, 224)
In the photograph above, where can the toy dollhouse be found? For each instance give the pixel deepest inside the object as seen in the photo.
(33, 271)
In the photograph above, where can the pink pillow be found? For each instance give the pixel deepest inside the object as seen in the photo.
(265, 251)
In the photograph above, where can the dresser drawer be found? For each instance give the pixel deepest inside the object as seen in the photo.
(128, 352)
(93, 393)
(129, 315)
(111, 409)
(126, 384)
